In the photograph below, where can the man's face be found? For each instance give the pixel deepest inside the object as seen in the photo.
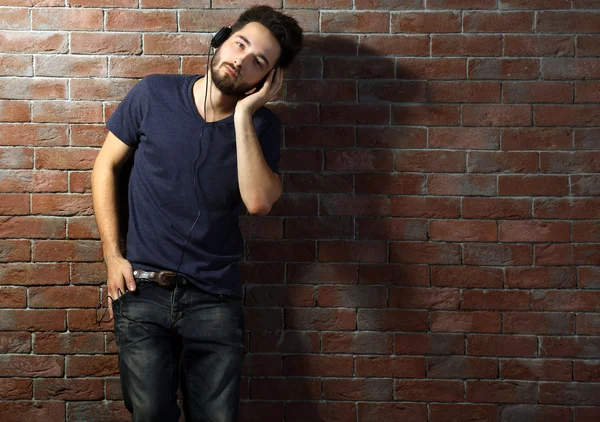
(244, 59)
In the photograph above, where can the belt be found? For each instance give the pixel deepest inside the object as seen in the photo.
(162, 278)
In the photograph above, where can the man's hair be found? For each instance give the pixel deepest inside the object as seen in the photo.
(284, 28)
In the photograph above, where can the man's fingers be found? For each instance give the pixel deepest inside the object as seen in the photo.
(129, 280)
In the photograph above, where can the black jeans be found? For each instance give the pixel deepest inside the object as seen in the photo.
(164, 335)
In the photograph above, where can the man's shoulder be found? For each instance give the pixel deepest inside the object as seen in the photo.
(265, 117)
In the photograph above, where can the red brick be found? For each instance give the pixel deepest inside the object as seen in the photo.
(14, 111)
(383, 91)
(529, 322)
(391, 320)
(103, 3)
(578, 301)
(563, 254)
(140, 20)
(497, 21)
(67, 250)
(359, 160)
(33, 42)
(570, 162)
(430, 161)
(66, 159)
(87, 135)
(464, 92)
(336, 68)
(67, 111)
(61, 204)
(285, 388)
(32, 320)
(496, 115)
(402, 184)
(285, 342)
(13, 297)
(457, 412)
(466, 45)
(319, 136)
(494, 300)
(502, 162)
(428, 390)
(14, 389)
(533, 185)
(14, 19)
(423, 298)
(566, 22)
(69, 389)
(586, 139)
(464, 138)
(300, 296)
(296, 204)
(68, 343)
(463, 231)
(588, 45)
(389, 137)
(537, 92)
(321, 365)
(540, 278)
(588, 324)
(431, 68)
(87, 320)
(497, 254)
(461, 4)
(361, 343)
(496, 208)
(42, 411)
(461, 184)
(322, 273)
(358, 389)
(424, 207)
(424, 253)
(584, 414)
(80, 182)
(503, 69)
(15, 250)
(313, 411)
(27, 274)
(352, 251)
(391, 229)
(32, 366)
(572, 208)
(354, 22)
(350, 205)
(534, 4)
(91, 366)
(573, 347)
(21, 65)
(534, 231)
(287, 250)
(320, 90)
(73, 66)
(105, 43)
(466, 276)
(587, 92)
(425, 22)
(99, 411)
(390, 274)
(319, 44)
(586, 231)
(388, 45)
(569, 393)
(355, 114)
(588, 277)
(392, 411)
(425, 115)
(63, 297)
(567, 115)
(138, 67)
(33, 181)
(429, 344)
(252, 228)
(535, 138)
(539, 45)
(39, 89)
(501, 391)
(32, 227)
(320, 319)
(587, 68)
(101, 89)
(585, 371)
(14, 204)
(461, 367)
(16, 158)
(14, 134)
(67, 19)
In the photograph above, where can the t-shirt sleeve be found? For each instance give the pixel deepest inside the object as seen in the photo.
(270, 142)
(126, 120)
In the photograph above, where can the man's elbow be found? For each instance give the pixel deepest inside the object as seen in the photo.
(259, 209)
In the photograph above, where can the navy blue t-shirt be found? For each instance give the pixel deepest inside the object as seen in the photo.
(159, 118)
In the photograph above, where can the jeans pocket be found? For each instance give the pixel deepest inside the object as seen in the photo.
(230, 298)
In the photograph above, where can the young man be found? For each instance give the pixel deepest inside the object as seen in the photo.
(202, 147)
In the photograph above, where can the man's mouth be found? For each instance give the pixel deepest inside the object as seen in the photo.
(231, 71)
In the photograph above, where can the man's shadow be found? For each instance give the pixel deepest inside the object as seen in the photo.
(325, 284)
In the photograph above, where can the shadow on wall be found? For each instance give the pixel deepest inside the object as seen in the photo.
(322, 255)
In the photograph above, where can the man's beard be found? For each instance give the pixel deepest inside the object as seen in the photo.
(227, 84)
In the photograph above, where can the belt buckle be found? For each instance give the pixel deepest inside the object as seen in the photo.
(166, 278)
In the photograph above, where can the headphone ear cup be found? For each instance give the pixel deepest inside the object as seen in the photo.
(220, 37)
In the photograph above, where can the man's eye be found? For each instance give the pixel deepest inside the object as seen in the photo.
(239, 44)
(258, 63)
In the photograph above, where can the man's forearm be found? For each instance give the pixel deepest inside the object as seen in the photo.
(104, 194)
(260, 188)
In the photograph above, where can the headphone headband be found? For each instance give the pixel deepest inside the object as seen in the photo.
(220, 37)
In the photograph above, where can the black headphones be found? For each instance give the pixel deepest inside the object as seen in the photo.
(220, 37)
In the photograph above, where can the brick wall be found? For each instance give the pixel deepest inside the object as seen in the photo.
(435, 256)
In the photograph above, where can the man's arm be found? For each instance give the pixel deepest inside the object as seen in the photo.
(259, 186)
(105, 176)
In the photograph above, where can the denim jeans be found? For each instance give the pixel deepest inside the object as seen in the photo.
(167, 335)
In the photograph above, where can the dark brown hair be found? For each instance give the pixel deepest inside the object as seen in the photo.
(284, 28)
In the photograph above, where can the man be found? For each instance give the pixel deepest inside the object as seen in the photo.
(202, 147)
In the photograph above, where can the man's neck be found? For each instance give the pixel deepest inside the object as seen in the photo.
(218, 105)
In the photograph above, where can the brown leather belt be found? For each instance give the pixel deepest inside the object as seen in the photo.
(162, 278)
